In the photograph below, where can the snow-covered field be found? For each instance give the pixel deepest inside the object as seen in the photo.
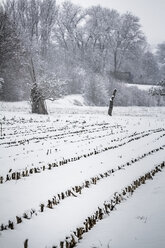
(78, 177)
(142, 86)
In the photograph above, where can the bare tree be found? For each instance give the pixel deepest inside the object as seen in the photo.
(48, 13)
(124, 38)
(99, 26)
(11, 52)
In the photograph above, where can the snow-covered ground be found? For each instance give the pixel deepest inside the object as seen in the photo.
(142, 86)
(137, 222)
(59, 172)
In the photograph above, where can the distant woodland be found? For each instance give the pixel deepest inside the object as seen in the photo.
(76, 51)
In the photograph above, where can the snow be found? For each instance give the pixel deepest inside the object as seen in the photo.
(93, 144)
(72, 175)
(71, 100)
(145, 87)
(137, 222)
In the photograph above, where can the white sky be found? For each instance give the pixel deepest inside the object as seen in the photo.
(150, 12)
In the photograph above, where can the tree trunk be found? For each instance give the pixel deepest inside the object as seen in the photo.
(115, 62)
(37, 99)
(111, 103)
(38, 102)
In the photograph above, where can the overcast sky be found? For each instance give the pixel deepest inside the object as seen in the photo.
(150, 12)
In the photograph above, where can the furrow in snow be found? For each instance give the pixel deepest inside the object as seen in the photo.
(71, 213)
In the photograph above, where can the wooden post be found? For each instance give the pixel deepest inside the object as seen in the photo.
(1, 128)
(111, 103)
(26, 243)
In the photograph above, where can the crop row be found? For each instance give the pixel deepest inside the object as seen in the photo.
(26, 172)
(58, 136)
(106, 209)
(55, 200)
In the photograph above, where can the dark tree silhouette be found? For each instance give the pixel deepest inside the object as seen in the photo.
(160, 89)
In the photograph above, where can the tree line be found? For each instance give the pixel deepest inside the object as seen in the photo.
(74, 50)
